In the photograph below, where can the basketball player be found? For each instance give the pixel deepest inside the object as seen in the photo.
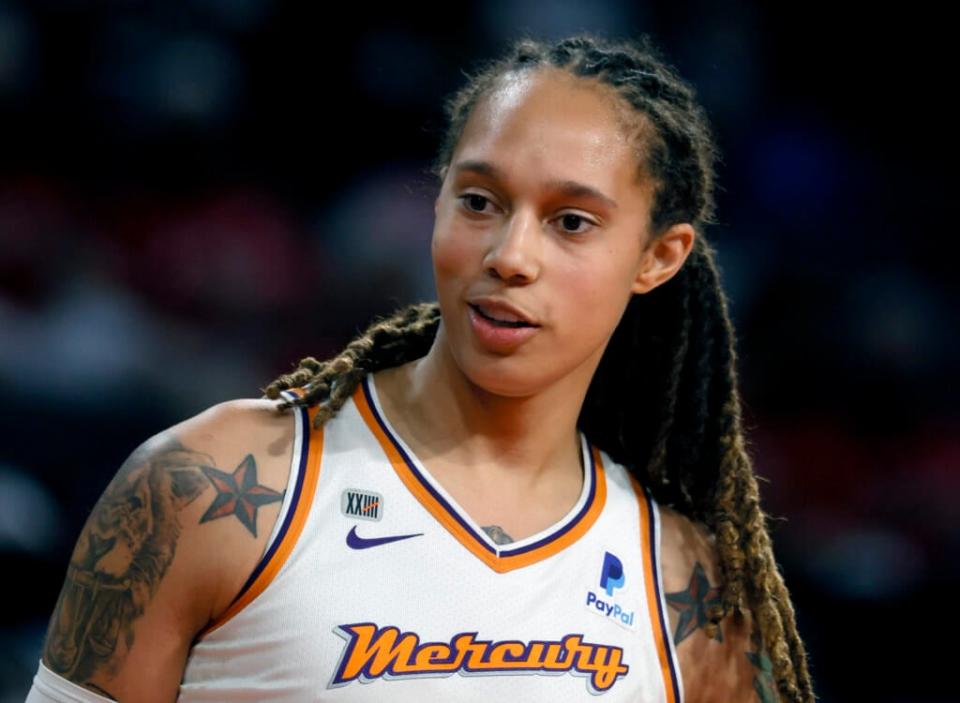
(535, 488)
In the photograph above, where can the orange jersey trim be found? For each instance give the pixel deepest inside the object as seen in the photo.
(278, 554)
(671, 683)
(501, 563)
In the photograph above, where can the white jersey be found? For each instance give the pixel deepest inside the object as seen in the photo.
(376, 586)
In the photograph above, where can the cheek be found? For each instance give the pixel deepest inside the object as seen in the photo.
(594, 294)
(455, 254)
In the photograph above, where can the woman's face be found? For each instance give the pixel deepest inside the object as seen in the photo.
(541, 209)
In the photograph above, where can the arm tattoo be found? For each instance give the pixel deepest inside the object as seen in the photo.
(126, 547)
(763, 682)
(693, 604)
(497, 534)
(239, 494)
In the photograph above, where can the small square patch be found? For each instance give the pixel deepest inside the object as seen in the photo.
(363, 505)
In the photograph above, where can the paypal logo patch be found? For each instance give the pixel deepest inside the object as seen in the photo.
(612, 577)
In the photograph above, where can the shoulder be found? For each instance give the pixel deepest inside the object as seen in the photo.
(235, 431)
(236, 416)
(684, 544)
(728, 666)
(168, 546)
(214, 483)
(247, 445)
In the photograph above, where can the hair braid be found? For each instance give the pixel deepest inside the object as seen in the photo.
(746, 553)
(387, 342)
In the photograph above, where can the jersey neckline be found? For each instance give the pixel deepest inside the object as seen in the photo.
(428, 491)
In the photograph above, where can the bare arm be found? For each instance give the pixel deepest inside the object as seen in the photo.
(728, 667)
(166, 547)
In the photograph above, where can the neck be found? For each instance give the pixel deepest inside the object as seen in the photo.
(530, 436)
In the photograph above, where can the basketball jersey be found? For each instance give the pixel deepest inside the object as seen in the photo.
(376, 585)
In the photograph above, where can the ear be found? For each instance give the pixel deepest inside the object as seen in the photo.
(663, 257)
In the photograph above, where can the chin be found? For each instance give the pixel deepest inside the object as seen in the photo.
(506, 376)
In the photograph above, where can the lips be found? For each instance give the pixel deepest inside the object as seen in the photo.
(502, 312)
(499, 337)
(503, 319)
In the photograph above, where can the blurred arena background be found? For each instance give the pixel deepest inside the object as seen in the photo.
(193, 196)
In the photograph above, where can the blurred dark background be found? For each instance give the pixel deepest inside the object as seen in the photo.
(194, 196)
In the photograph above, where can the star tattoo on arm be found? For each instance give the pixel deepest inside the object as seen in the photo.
(239, 494)
(693, 603)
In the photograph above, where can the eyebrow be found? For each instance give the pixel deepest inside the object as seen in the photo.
(569, 188)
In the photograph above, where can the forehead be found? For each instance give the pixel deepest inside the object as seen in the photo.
(554, 126)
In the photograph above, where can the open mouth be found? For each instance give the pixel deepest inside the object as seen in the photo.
(501, 323)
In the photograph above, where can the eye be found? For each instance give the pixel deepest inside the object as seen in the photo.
(473, 199)
(575, 219)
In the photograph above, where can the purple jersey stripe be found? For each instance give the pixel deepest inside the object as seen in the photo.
(413, 468)
(292, 509)
(654, 560)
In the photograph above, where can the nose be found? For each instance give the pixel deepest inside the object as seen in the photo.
(515, 254)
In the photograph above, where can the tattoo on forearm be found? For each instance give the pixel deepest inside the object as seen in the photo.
(497, 534)
(126, 547)
(763, 682)
(693, 603)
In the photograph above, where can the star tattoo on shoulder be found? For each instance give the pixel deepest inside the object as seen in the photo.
(239, 494)
(693, 603)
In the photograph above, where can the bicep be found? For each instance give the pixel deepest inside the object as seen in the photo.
(118, 604)
(158, 556)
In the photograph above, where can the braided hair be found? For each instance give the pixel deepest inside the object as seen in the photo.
(664, 400)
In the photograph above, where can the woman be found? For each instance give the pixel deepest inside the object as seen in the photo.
(431, 519)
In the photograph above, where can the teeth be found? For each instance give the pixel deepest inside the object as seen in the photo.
(501, 315)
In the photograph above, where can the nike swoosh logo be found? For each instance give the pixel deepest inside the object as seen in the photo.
(355, 541)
